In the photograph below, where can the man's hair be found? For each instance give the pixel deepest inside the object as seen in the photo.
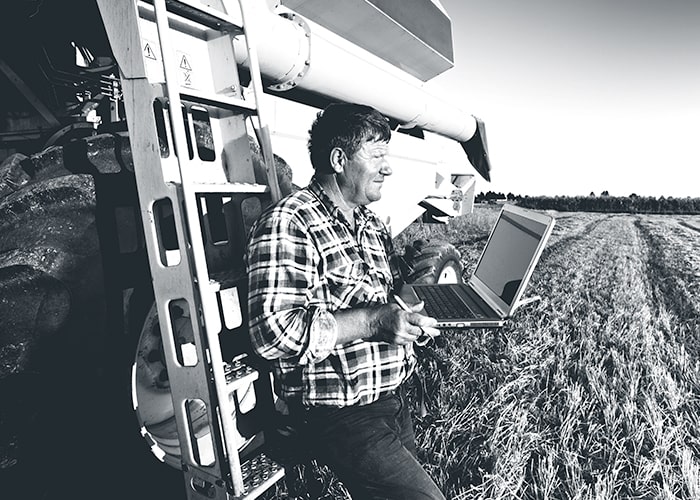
(344, 126)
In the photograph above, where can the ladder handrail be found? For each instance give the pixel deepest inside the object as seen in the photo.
(250, 19)
(198, 260)
(206, 295)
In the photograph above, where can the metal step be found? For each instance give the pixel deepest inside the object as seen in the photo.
(259, 474)
(217, 101)
(199, 13)
(223, 280)
(239, 374)
(229, 187)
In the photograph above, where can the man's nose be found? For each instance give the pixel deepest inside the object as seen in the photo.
(385, 168)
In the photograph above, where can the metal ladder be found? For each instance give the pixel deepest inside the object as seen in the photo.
(198, 194)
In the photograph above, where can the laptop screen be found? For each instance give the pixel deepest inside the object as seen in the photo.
(510, 251)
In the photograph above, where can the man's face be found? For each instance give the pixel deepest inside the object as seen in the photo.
(363, 175)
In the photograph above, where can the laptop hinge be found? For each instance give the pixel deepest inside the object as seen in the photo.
(486, 295)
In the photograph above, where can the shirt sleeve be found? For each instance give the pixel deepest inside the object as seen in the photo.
(282, 271)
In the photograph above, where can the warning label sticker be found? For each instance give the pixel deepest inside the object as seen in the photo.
(184, 63)
(152, 59)
(187, 73)
(148, 52)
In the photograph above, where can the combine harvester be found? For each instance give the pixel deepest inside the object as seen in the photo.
(123, 218)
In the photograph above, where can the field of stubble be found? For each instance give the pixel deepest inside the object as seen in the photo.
(593, 392)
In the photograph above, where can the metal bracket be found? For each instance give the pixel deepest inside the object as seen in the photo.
(301, 66)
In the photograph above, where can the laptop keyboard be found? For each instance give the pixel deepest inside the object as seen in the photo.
(442, 302)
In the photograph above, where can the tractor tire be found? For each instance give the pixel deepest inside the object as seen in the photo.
(434, 263)
(64, 373)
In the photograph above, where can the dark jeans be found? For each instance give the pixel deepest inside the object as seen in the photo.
(372, 449)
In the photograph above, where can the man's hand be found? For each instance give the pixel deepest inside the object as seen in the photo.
(394, 325)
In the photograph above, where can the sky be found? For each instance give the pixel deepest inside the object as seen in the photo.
(582, 96)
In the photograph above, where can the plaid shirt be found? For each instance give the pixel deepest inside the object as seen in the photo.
(303, 258)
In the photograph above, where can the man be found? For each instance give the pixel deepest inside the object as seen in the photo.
(322, 271)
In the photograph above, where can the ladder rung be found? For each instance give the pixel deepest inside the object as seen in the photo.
(223, 280)
(239, 374)
(259, 473)
(202, 14)
(217, 100)
(229, 187)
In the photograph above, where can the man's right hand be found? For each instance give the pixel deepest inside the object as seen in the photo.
(393, 325)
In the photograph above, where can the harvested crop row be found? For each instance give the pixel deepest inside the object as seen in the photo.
(673, 268)
(586, 394)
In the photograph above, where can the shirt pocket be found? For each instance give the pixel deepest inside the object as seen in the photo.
(349, 284)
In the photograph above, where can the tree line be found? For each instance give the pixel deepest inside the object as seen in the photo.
(603, 203)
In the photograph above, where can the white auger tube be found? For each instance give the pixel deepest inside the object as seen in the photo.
(296, 53)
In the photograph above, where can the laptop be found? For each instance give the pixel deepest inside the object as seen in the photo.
(496, 285)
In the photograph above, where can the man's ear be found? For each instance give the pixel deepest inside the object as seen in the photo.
(337, 160)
